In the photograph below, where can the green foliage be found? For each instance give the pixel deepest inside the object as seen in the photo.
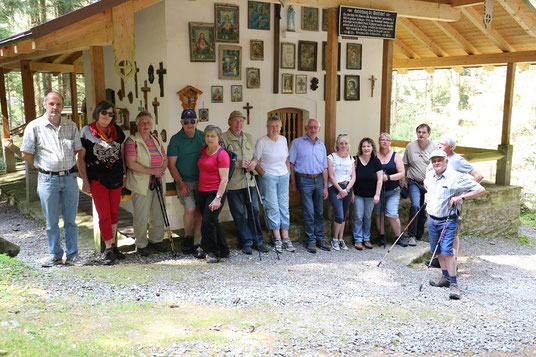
(12, 269)
(525, 240)
(528, 216)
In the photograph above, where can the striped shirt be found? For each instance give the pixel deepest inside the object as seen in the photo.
(156, 158)
(53, 147)
(441, 189)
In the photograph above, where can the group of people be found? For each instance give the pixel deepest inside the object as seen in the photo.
(205, 177)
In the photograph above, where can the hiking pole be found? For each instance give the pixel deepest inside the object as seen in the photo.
(382, 214)
(401, 234)
(155, 184)
(435, 250)
(253, 214)
(264, 214)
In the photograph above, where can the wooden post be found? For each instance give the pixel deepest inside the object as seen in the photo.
(332, 59)
(508, 99)
(504, 165)
(387, 82)
(9, 156)
(98, 89)
(277, 46)
(74, 100)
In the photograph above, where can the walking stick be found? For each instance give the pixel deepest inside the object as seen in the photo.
(155, 185)
(382, 214)
(253, 214)
(401, 234)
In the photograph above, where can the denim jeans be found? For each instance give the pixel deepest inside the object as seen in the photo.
(361, 224)
(275, 191)
(391, 200)
(312, 201)
(340, 206)
(53, 191)
(249, 230)
(416, 196)
(435, 227)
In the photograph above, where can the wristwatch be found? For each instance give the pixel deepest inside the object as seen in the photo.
(180, 181)
(463, 196)
(218, 195)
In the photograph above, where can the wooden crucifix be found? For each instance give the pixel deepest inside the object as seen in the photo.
(161, 71)
(145, 89)
(155, 104)
(121, 93)
(372, 80)
(136, 69)
(247, 108)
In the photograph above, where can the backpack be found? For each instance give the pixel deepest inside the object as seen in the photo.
(232, 159)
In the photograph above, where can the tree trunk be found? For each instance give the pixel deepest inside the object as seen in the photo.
(454, 94)
(429, 91)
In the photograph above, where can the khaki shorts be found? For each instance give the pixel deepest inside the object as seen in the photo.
(190, 200)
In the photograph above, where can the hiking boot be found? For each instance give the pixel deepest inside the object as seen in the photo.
(335, 244)
(211, 258)
(76, 261)
(323, 245)
(455, 292)
(441, 283)
(187, 245)
(198, 252)
(412, 242)
(402, 242)
(109, 257)
(51, 261)
(367, 244)
(117, 253)
(382, 241)
(262, 248)
(288, 245)
(144, 252)
(159, 246)
(247, 250)
(342, 245)
(358, 245)
(311, 247)
(278, 246)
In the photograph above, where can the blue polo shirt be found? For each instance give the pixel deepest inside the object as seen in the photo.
(308, 158)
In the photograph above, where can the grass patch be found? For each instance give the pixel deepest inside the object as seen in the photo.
(528, 216)
(13, 269)
(525, 240)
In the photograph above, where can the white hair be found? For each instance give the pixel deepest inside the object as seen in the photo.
(451, 141)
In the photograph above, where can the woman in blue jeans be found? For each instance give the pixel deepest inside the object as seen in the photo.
(368, 184)
(341, 171)
(271, 157)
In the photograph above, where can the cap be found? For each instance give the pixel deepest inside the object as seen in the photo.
(236, 113)
(438, 153)
(188, 114)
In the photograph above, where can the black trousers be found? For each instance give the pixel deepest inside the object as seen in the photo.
(212, 238)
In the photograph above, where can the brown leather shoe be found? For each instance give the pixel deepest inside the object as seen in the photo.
(441, 283)
(367, 245)
(455, 292)
(358, 245)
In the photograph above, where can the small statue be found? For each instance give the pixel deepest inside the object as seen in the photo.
(290, 19)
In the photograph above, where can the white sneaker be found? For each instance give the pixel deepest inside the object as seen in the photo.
(278, 246)
(288, 245)
(412, 242)
(342, 245)
(335, 244)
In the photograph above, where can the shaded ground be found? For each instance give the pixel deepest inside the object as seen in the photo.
(332, 303)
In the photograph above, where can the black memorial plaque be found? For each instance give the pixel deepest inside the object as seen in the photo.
(359, 22)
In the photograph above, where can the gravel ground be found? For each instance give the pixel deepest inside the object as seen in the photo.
(334, 303)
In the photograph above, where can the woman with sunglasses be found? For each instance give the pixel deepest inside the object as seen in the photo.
(103, 172)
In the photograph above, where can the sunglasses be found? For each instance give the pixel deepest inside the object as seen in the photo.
(110, 114)
(186, 121)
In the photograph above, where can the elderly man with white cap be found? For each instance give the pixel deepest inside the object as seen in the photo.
(446, 189)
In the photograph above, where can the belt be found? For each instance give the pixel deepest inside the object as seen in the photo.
(308, 175)
(443, 218)
(343, 183)
(419, 182)
(58, 173)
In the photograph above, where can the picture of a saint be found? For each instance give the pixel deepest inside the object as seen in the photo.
(259, 15)
(301, 84)
(201, 46)
(307, 53)
(353, 56)
(253, 78)
(310, 18)
(236, 93)
(226, 23)
(257, 50)
(202, 42)
(217, 94)
(288, 55)
(287, 83)
(351, 87)
(230, 61)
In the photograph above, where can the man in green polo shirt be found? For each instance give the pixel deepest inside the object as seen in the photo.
(183, 151)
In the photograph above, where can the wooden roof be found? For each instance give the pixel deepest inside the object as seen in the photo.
(430, 33)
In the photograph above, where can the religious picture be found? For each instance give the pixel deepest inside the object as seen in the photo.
(324, 46)
(226, 24)
(324, 19)
(230, 62)
(202, 42)
(351, 87)
(253, 78)
(301, 84)
(288, 55)
(338, 87)
(307, 53)
(236, 93)
(309, 18)
(203, 114)
(216, 94)
(258, 15)
(256, 50)
(353, 55)
(287, 83)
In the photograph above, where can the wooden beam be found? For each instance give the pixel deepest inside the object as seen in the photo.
(387, 82)
(521, 14)
(98, 89)
(508, 101)
(493, 35)
(407, 8)
(277, 47)
(332, 59)
(9, 157)
(28, 92)
(466, 61)
(466, 3)
(55, 67)
(457, 37)
(406, 49)
(422, 37)
(74, 100)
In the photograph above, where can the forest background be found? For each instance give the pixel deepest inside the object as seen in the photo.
(468, 104)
